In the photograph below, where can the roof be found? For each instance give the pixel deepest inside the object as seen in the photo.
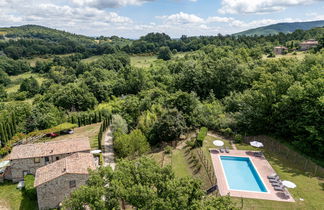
(309, 42)
(77, 163)
(281, 47)
(50, 148)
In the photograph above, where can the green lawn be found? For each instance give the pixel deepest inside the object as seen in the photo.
(13, 199)
(179, 164)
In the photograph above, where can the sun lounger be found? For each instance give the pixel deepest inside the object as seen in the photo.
(276, 184)
(222, 150)
(274, 180)
(272, 176)
(278, 188)
(226, 150)
(258, 154)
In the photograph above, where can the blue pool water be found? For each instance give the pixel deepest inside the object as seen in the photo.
(241, 174)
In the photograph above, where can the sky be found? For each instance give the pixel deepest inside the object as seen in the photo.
(135, 18)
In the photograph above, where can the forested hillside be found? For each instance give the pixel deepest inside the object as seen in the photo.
(30, 41)
(224, 84)
(282, 28)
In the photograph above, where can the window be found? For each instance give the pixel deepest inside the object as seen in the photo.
(37, 160)
(46, 159)
(72, 184)
(25, 173)
(57, 158)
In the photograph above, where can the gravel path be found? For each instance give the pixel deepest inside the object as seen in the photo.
(108, 150)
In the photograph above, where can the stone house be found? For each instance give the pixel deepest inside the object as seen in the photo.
(26, 159)
(55, 182)
(308, 44)
(279, 50)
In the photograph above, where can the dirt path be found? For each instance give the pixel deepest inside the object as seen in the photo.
(108, 150)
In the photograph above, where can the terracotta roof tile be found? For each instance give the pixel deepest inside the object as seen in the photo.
(50, 148)
(78, 163)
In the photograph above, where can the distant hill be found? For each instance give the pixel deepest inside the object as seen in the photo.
(41, 32)
(281, 27)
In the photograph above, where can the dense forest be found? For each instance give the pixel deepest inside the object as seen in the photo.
(223, 83)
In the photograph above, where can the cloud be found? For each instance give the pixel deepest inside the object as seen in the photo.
(181, 18)
(102, 4)
(259, 6)
(217, 19)
(86, 17)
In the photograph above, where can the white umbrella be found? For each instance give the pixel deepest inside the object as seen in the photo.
(288, 184)
(256, 144)
(218, 143)
(95, 151)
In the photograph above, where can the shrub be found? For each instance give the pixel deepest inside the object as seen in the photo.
(29, 189)
(168, 150)
(191, 143)
(238, 138)
(201, 136)
(226, 131)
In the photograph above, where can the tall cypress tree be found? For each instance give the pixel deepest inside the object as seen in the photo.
(14, 120)
(2, 137)
(13, 128)
(100, 117)
(5, 133)
(95, 117)
(9, 131)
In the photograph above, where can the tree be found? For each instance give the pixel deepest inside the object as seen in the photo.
(171, 125)
(3, 93)
(142, 184)
(165, 53)
(44, 115)
(131, 145)
(30, 85)
(4, 78)
(73, 96)
(118, 123)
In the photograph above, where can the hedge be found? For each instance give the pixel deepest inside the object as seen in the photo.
(29, 189)
(201, 136)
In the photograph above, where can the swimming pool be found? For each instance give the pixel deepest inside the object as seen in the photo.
(241, 174)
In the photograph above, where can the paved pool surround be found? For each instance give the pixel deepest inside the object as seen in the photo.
(263, 169)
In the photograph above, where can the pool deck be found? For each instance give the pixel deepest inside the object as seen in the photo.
(262, 166)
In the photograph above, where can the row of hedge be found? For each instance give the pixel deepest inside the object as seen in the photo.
(201, 136)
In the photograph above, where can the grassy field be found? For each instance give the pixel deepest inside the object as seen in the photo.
(179, 164)
(13, 199)
(142, 61)
(91, 59)
(299, 56)
(16, 81)
(32, 62)
(136, 60)
(90, 131)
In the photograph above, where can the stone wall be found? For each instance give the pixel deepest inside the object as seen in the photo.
(20, 165)
(52, 193)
